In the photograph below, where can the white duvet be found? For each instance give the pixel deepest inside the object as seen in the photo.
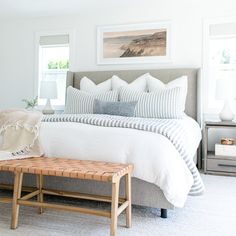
(155, 158)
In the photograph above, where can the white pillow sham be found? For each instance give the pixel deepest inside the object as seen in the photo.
(87, 85)
(80, 102)
(164, 104)
(139, 84)
(155, 85)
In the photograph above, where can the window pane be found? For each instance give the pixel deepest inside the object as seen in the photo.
(223, 51)
(222, 65)
(53, 66)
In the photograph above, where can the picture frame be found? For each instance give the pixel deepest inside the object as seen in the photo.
(134, 43)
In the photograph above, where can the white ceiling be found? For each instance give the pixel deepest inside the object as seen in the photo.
(40, 8)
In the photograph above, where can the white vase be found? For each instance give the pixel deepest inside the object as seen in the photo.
(226, 113)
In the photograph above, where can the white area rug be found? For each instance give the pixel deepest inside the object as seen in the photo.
(211, 214)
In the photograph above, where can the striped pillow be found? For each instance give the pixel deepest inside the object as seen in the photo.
(164, 104)
(79, 102)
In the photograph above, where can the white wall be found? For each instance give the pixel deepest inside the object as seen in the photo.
(17, 45)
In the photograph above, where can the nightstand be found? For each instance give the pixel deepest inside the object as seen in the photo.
(224, 165)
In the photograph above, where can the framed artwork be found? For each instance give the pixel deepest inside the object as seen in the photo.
(135, 43)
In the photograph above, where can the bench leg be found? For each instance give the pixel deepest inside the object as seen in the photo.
(16, 196)
(114, 208)
(40, 187)
(128, 198)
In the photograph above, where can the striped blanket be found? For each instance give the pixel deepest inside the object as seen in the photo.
(170, 128)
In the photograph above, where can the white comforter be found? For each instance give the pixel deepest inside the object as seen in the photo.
(155, 158)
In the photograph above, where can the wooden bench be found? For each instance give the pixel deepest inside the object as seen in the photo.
(78, 169)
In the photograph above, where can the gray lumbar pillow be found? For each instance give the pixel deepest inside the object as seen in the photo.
(114, 108)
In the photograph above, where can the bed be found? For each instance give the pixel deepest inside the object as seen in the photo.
(145, 193)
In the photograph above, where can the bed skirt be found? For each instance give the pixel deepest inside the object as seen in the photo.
(143, 193)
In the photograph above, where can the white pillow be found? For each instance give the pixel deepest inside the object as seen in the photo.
(87, 85)
(117, 82)
(79, 102)
(155, 85)
(139, 84)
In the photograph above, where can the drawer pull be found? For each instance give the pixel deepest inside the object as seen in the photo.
(225, 165)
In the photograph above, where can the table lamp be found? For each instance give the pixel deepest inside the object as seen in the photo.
(225, 91)
(48, 90)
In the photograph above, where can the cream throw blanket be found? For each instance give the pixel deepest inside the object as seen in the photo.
(20, 134)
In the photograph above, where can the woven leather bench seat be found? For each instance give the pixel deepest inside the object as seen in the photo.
(72, 168)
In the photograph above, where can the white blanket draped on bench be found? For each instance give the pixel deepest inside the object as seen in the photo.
(19, 133)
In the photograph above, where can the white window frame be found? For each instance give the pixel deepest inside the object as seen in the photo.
(210, 112)
(71, 33)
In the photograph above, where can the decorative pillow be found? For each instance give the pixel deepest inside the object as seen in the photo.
(87, 85)
(165, 104)
(139, 84)
(79, 102)
(155, 85)
(117, 82)
(114, 108)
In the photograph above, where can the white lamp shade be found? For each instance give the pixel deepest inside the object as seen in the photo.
(48, 89)
(225, 89)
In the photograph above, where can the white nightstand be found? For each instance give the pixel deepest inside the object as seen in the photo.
(224, 165)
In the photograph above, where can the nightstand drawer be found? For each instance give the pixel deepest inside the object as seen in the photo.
(221, 165)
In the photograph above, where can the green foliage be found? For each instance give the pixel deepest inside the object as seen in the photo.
(52, 65)
(225, 57)
(62, 64)
(30, 103)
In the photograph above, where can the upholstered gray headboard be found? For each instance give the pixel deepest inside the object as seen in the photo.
(193, 102)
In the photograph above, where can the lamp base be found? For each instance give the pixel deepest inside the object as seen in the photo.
(226, 114)
(47, 110)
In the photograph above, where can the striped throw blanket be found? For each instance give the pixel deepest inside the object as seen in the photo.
(170, 128)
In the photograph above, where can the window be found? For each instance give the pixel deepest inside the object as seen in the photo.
(220, 61)
(53, 64)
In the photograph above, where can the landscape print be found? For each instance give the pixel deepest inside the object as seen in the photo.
(136, 43)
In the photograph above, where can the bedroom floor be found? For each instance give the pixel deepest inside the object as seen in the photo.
(214, 213)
